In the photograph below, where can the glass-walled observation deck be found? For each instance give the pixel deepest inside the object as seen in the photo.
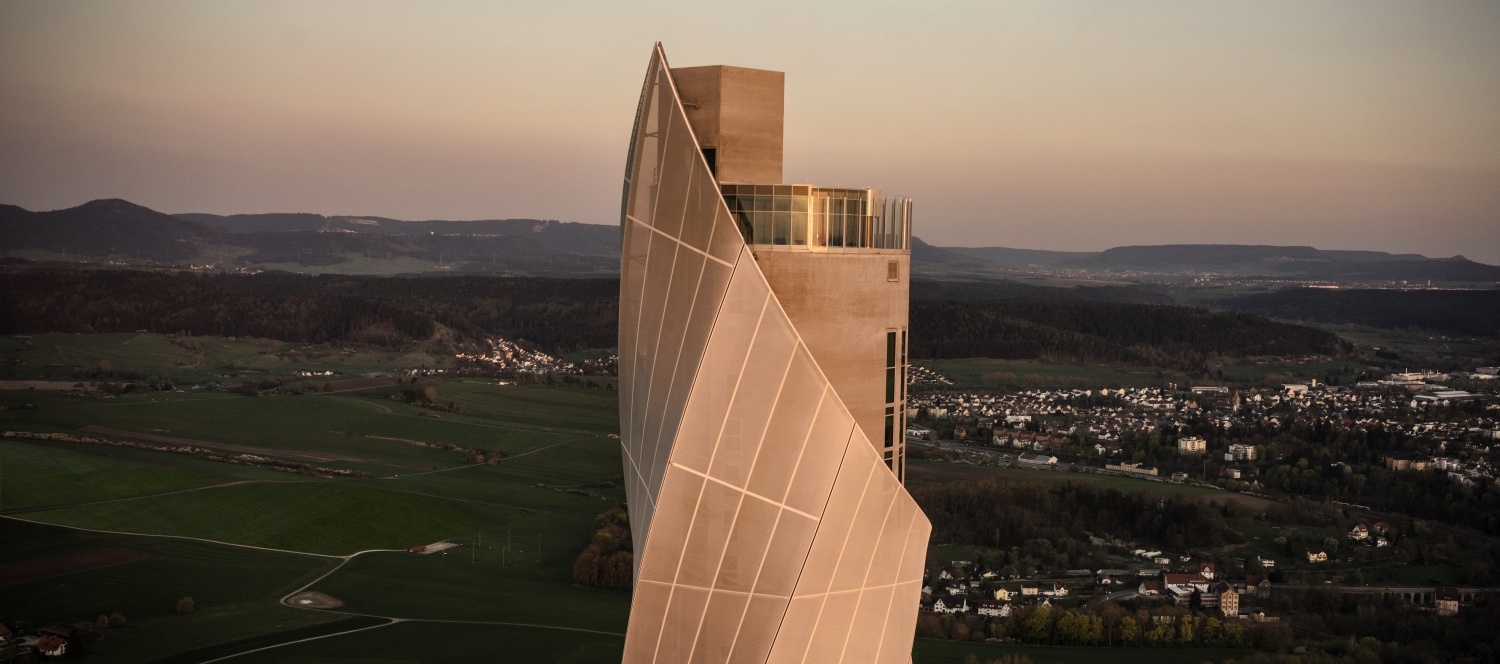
(798, 216)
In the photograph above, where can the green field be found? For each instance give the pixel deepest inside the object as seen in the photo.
(1277, 371)
(361, 428)
(451, 587)
(315, 517)
(41, 474)
(925, 471)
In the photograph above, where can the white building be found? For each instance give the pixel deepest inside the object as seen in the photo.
(1191, 445)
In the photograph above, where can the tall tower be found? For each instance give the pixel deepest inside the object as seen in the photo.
(838, 259)
(768, 526)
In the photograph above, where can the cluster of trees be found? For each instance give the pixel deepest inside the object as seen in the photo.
(1340, 628)
(1103, 332)
(1109, 625)
(997, 514)
(608, 557)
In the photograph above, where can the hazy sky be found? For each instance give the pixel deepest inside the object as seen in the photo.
(1053, 125)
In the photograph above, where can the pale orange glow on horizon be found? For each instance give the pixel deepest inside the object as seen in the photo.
(1075, 125)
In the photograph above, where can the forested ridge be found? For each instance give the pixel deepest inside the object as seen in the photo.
(559, 315)
(1103, 333)
(566, 315)
(1456, 312)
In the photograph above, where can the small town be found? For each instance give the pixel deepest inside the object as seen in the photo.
(1186, 433)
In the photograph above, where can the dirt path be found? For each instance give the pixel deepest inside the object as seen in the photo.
(247, 449)
(475, 465)
(149, 495)
(380, 407)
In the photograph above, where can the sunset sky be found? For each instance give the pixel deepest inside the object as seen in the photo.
(1050, 125)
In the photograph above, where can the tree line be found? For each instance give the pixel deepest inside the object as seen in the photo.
(566, 315)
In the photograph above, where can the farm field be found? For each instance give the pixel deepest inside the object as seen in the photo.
(51, 474)
(921, 471)
(458, 587)
(327, 518)
(351, 427)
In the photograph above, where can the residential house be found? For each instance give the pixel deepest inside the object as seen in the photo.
(1359, 533)
(950, 605)
(1191, 445)
(993, 608)
(1003, 594)
(1319, 557)
(1408, 461)
(1196, 581)
(1150, 587)
(1029, 588)
(1059, 589)
(1206, 569)
(51, 645)
(1447, 601)
(1258, 585)
(1268, 563)
(1229, 600)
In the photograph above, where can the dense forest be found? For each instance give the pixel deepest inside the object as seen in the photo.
(566, 315)
(559, 315)
(1103, 332)
(1455, 312)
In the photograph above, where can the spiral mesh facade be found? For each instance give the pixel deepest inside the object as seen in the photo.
(767, 528)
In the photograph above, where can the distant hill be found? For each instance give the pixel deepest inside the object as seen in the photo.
(1020, 257)
(106, 227)
(570, 237)
(120, 230)
(1279, 261)
(982, 290)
